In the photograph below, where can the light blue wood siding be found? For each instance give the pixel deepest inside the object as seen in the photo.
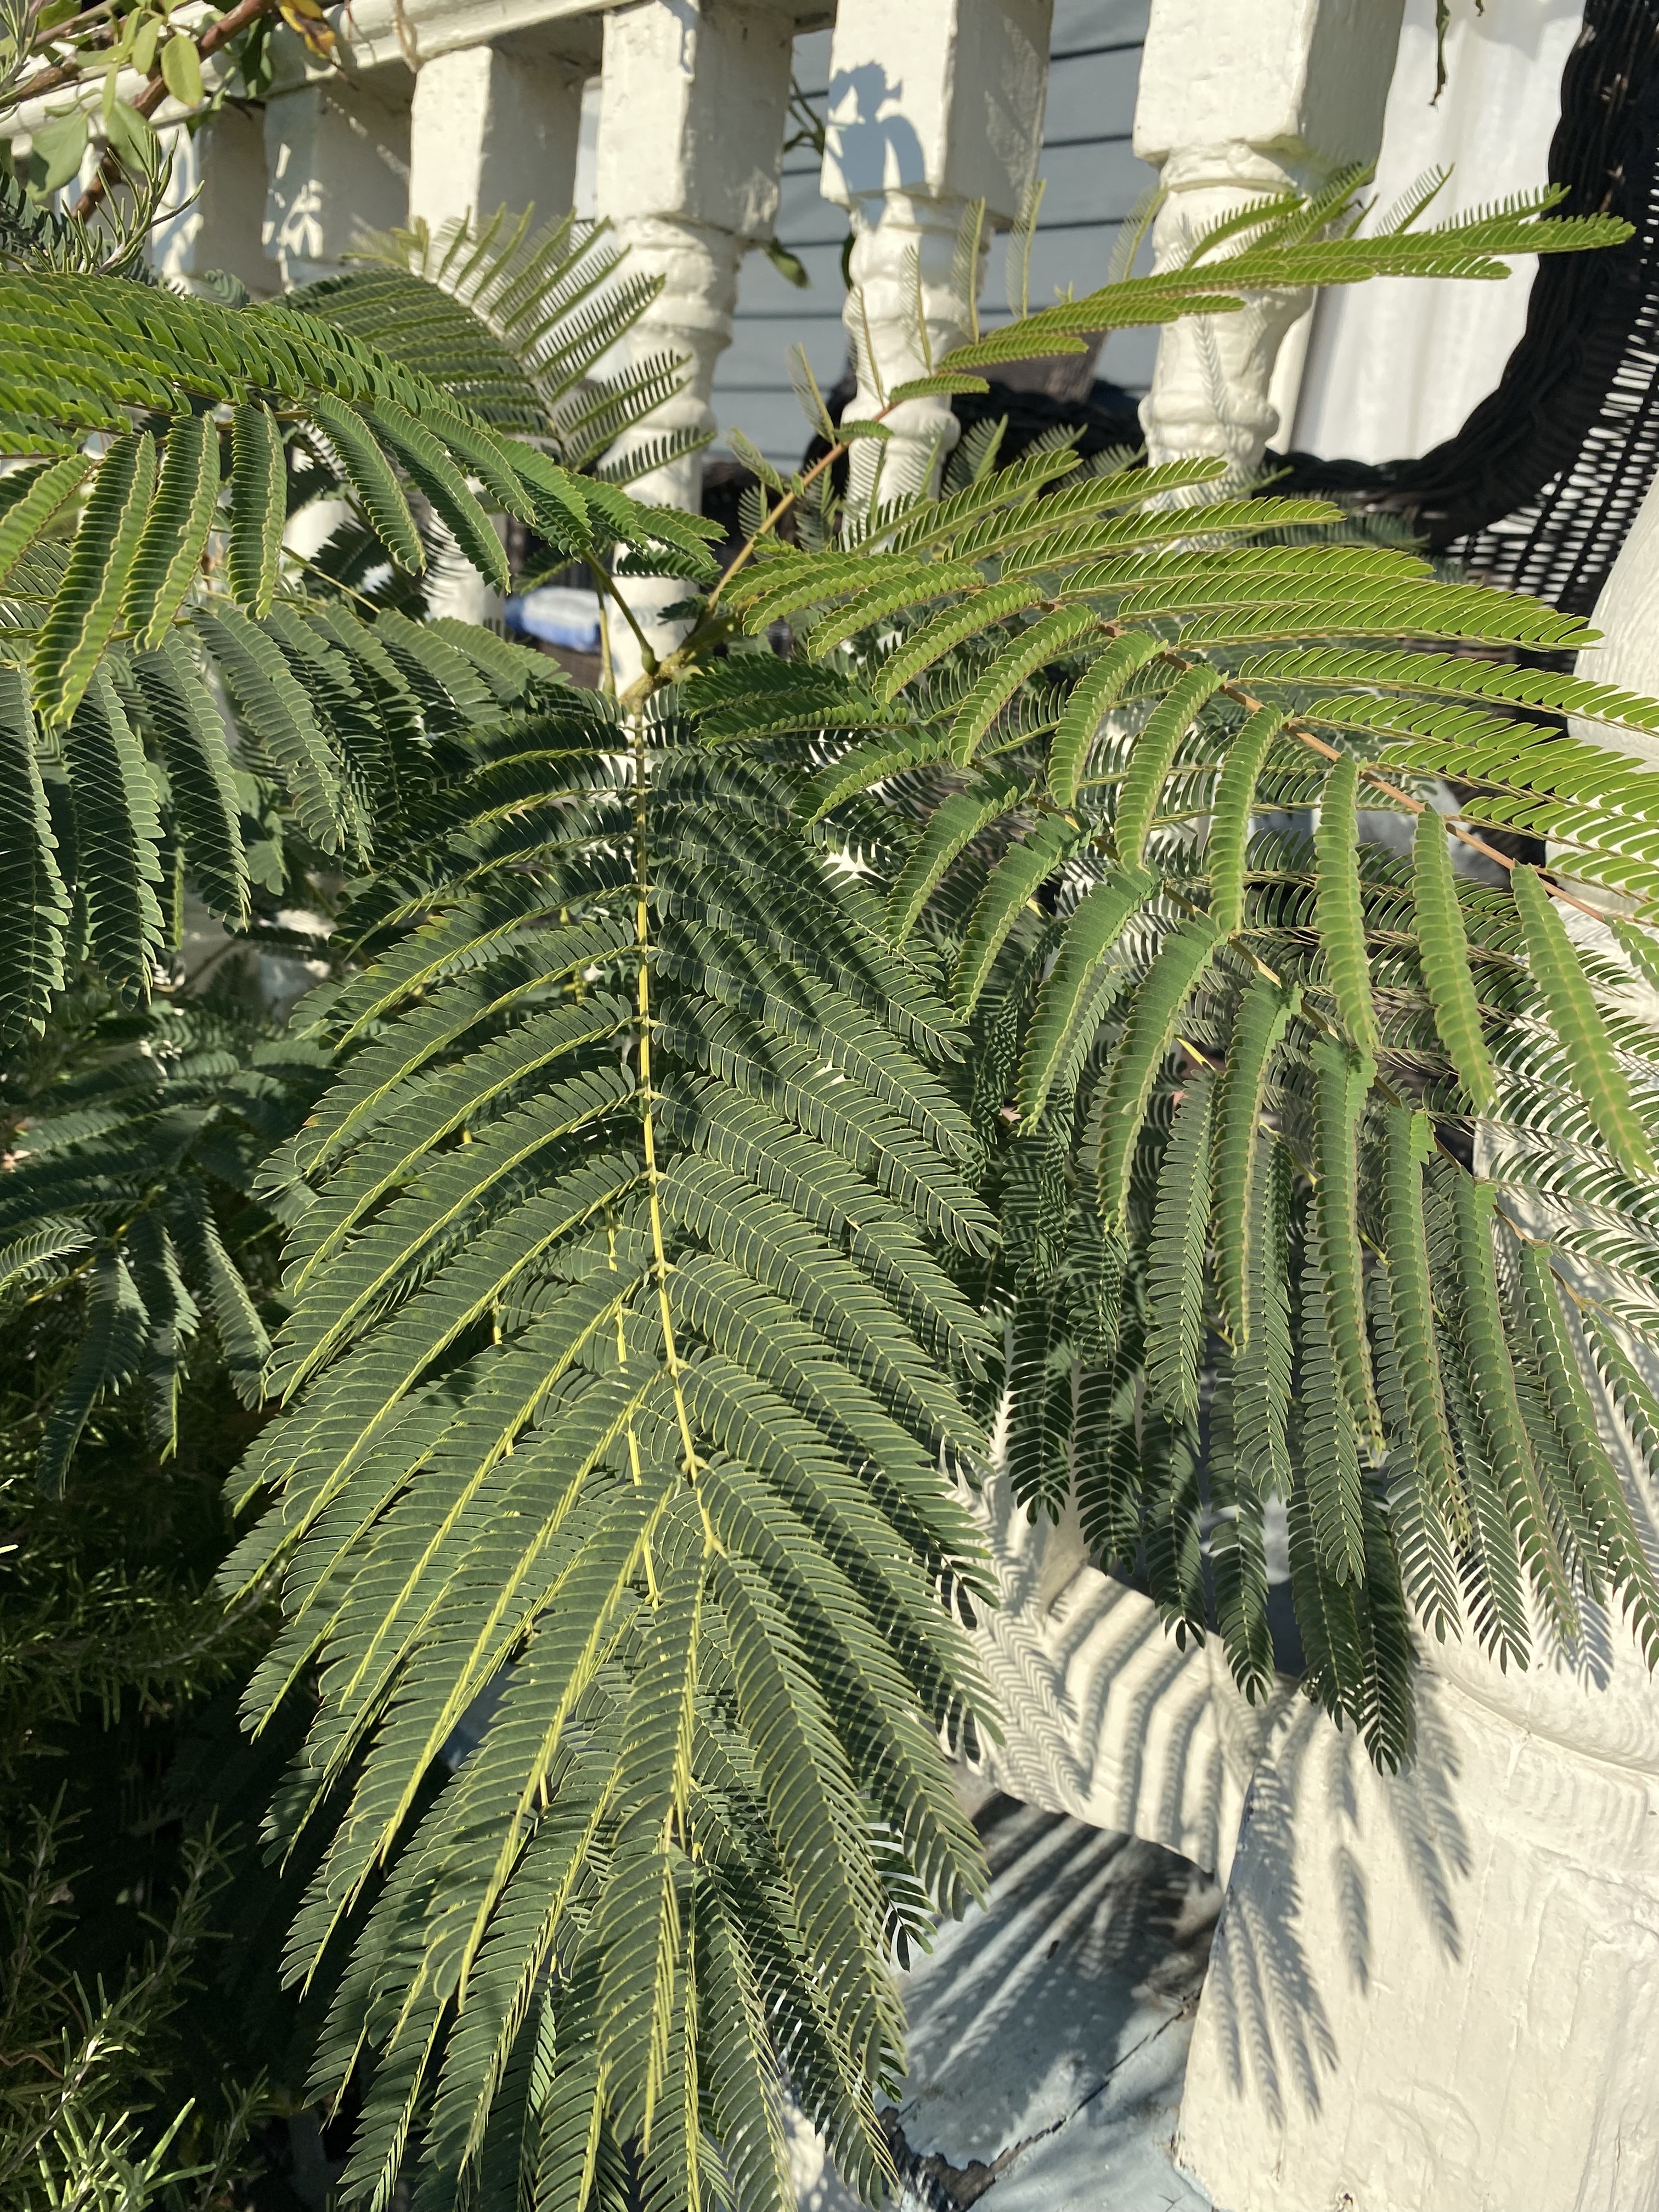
(1093, 180)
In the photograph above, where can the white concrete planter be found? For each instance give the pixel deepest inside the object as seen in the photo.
(1442, 1988)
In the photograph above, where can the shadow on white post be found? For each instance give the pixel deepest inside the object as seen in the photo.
(1441, 1987)
(932, 105)
(337, 162)
(215, 203)
(1236, 101)
(692, 104)
(488, 129)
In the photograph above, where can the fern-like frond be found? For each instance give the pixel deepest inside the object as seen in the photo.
(619, 1368)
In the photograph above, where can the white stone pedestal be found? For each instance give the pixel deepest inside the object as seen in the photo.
(491, 129)
(218, 190)
(1105, 1717)
(1442, 1989)
(336, 162)
(691, 117)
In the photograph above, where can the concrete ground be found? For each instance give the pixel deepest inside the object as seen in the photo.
(1048, 2033)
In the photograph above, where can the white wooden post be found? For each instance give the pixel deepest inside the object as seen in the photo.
(693, 99)
(932, 105)
(337, 162)
(490, 129)
(219, 185)
(1235, 101)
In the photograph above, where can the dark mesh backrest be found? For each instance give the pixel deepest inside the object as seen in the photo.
(1539, 487)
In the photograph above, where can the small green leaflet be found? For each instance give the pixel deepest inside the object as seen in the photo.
(1577, 1020)
(83, 614)
(1340, 906)
(1093, 928)
(259, 507)
(1146, 1038)
(957, 823)
(1049, 636)
(1150, 761)
(175, 533)
(1229, 821)
(22, 523)
(1175, 1278)
(1096, 691)
(1443, 949)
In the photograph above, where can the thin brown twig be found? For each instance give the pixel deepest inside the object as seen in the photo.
(1380, 782)
(57, 74)
(229, 26)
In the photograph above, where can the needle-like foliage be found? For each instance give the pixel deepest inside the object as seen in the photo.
(146, 589)
(515, 316)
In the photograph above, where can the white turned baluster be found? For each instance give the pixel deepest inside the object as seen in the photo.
(1233, 102)
(488, 129)
(692, 105)
(932, 107)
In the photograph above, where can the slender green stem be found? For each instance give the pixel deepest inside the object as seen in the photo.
(660, 1266)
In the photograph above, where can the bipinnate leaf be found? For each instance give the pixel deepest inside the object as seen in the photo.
(618, 1365)
(1146, 1039)
(118, 833)
(1176, 1268)
(37, 504)
(169, 556)
(1067, 990)
(372, 477)
(1264, 1014)
(1093, 694)
(34, 905)
(1340, 906)
(1229, 821)
(202, 778)
(1150, 760)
